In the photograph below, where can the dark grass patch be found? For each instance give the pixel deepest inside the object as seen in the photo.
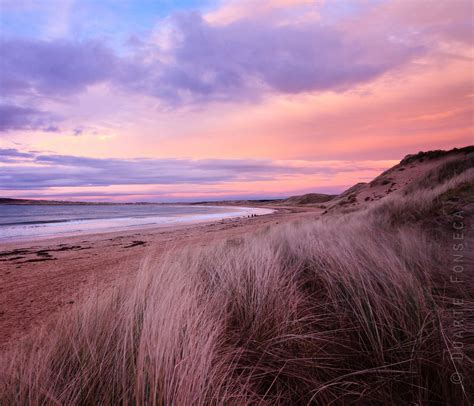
(14, 258)
(39, 260)
(14, 252)
(431, 155)
(136, 244)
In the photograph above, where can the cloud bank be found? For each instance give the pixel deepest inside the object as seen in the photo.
(194, 59)
(33, 170)
(190, 60)
(52, 68)
(14, 117)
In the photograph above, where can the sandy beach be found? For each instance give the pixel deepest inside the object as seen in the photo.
(39, 278)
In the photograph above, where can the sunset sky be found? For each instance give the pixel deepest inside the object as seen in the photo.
(160, 100)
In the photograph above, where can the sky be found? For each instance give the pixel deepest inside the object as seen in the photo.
(161, 100)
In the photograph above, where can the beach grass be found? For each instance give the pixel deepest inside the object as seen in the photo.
(354, 308)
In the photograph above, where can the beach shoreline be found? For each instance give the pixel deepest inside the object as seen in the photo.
(123, 222)
(41, 277)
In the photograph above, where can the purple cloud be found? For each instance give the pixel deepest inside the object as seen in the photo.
(244, 58)
(51, 68)
(34, 70)
(51, 129)
(12, 156)
(78, 131)
(39, 171)
(14, 117)
(205, 62)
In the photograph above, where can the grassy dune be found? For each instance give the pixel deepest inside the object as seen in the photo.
(349, 308)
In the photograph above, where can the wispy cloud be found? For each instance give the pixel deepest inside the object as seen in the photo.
(52, 68)
(14, 117)
(33, 170)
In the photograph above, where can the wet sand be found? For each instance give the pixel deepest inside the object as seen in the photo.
(40, 278)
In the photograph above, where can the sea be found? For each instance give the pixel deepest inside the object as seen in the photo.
(27, 222)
